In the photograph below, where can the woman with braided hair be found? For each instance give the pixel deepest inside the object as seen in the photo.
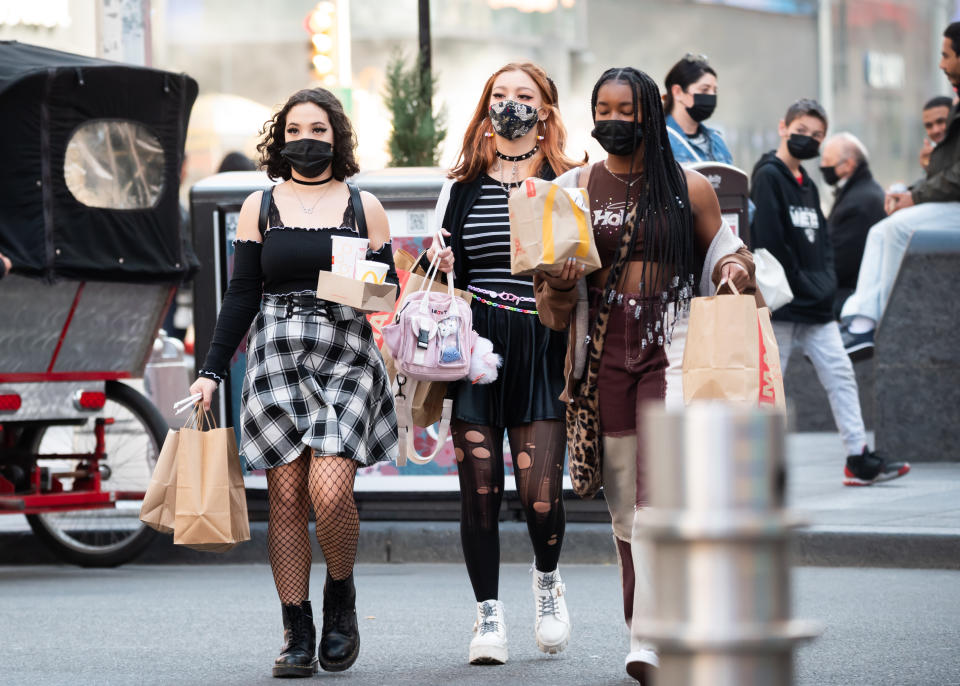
(515, 133)
(660, 236)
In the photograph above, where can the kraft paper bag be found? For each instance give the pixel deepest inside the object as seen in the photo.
(160, 501)
(211, 512)
(427, 404)
(361, 295)
(548, 225)
(731, 353)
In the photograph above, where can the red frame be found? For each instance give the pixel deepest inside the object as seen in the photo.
(88, 496)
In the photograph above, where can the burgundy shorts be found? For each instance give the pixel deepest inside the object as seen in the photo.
(630, 374)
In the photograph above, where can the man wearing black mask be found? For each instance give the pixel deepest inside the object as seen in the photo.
(789, 223)
(857, 207)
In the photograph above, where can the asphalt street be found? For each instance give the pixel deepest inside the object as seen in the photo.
(220, 624)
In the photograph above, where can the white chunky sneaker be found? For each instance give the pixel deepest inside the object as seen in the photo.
(553, 621)
(489, 644)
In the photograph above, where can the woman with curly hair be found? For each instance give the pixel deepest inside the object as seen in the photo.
(316, 400)
(515, 133)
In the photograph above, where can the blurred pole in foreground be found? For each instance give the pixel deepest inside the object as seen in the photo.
(719, 538)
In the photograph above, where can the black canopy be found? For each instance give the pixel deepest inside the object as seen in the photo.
(54, 227)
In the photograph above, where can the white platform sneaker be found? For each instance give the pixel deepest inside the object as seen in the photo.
(489, 644)
(553, 621)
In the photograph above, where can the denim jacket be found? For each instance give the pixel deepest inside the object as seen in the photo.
(684, 151)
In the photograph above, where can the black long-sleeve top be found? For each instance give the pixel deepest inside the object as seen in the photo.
(288, 261)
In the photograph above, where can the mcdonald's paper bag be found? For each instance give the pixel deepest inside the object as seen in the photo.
(211, 511)
(548, 225)
(731, 353)
(160, 501)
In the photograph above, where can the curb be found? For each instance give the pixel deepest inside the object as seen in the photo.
(584, 543)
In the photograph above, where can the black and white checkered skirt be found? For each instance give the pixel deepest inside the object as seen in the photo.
(314, 378)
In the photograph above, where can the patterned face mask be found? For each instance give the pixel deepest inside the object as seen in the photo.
(512, 119)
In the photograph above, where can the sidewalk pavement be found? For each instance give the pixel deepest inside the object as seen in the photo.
(910, 522)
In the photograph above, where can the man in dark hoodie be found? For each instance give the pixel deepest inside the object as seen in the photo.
(932, 203)
(857, 207)
(790, 224)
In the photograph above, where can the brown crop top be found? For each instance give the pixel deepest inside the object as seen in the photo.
(607, 194)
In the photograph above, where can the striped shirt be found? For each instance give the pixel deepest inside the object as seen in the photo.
(486, 247)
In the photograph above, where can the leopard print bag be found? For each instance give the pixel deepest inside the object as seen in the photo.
(584, 442)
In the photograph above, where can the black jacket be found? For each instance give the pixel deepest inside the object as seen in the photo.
(942, 183)
(859, 205)
(790, 224)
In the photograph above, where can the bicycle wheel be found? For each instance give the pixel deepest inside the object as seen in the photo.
(111, 536)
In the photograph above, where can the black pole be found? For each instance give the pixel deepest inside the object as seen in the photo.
(424, 35)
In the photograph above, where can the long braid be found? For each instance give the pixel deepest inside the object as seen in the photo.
(663, 210)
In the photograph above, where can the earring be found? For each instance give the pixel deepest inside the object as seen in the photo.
(544, 129)
(487, 134)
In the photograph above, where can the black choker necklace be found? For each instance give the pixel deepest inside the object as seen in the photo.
(518, 158)
(311, 183)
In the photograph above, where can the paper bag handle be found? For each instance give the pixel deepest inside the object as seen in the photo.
(200, 419)
(729, 284)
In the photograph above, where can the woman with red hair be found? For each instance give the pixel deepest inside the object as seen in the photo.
(515, 133)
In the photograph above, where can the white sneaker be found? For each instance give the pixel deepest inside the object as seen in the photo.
(489, 644)
(553, 621)
(640, 664)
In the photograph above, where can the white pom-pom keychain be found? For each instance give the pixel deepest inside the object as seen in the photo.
(484, 363)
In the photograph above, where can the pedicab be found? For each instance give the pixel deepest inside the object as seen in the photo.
(90, 218)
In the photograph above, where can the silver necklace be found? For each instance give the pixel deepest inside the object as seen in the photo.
(514, 176)
(620, 179)
(314, 205)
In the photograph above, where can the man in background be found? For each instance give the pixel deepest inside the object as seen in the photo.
(935, 114)
(932, 203)
(790, 224)
(858, 205)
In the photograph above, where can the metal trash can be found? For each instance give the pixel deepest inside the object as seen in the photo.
(732, 187)
(720, 547)
(167, 376)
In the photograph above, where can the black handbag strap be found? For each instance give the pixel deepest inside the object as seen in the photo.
(265, 209)
(358, 209)
(355, 200)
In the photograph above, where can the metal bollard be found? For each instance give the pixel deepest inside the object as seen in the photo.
(719, 540)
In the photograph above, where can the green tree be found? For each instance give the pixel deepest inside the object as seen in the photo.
(417, 129)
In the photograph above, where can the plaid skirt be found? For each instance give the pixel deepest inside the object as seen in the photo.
(314, 378)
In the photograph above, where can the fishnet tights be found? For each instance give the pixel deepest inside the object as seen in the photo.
(327, 482)
(538, 452)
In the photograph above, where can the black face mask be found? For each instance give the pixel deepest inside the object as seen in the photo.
(830, 175)
(618, 137)
(803, 147)
(308, 156)
(703, 106)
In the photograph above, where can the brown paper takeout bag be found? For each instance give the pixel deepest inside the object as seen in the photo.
(361, 295)
(548, 225)
(731, 353)
(211, 510)
(160, 501)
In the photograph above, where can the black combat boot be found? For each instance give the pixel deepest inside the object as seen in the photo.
(300, 635)
(340, 638)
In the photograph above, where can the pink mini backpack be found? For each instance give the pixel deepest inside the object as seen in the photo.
(431, 340)
(433, 335)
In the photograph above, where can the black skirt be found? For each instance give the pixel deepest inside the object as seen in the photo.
(529, 383)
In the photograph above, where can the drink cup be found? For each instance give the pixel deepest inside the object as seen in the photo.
(373, 272)
(347, 251)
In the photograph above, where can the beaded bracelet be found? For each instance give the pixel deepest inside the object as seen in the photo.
(503, 307)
